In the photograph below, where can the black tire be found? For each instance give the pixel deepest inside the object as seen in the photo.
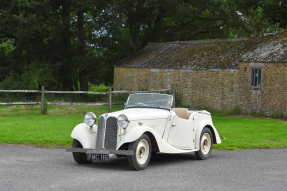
(205, 144)
(80, 158)
(140, 160)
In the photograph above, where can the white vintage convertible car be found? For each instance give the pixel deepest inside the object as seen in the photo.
(146, 126)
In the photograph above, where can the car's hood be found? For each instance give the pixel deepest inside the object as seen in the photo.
(144, 113)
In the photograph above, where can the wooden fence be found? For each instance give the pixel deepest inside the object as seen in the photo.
(43, 92)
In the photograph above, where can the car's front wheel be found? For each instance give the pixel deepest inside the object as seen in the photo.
(142, 148)
(80, 158)
(205, 144)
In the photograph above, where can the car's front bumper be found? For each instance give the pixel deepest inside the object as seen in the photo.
(103, 151)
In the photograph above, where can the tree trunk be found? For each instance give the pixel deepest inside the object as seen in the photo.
(81, 49)
(135, 24)
(157, 30)
(66, 69)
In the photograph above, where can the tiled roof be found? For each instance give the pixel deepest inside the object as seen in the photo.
(204, 54)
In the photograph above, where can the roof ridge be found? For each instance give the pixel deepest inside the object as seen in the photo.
(219, 40)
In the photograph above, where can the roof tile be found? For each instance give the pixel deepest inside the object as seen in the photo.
(204, 54)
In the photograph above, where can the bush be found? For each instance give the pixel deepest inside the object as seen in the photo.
(277, 114)
(251, 112)
(262, 114)
(234, 111)
(98, 88)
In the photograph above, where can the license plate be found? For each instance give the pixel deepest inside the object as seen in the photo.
(98, 157)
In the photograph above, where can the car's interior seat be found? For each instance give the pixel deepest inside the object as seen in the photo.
(181, 112)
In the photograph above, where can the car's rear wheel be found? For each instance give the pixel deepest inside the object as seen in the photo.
(142, 148)
(205, 144)
(80, 158)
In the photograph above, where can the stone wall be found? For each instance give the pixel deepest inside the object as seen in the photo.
(273, 94)
(221, 89)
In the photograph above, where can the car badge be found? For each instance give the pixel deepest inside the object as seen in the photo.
(106, 116)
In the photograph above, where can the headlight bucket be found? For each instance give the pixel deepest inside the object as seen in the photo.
(90, 119)
(123, 121)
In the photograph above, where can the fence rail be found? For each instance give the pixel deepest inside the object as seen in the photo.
(53, 92)
(43, 92)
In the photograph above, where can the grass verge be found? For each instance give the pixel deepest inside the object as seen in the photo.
(250, 133)
(25, 125)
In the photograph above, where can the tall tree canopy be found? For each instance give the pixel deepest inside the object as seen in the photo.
(66, 44)
(274, 11)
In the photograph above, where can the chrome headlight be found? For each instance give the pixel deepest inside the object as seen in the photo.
(123, 121)
(90, 119)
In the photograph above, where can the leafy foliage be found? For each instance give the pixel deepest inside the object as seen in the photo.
(274, 11)
(61, 44)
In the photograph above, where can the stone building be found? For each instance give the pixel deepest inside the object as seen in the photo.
(220, 74)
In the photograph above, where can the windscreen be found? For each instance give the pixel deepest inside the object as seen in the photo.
(150, 100)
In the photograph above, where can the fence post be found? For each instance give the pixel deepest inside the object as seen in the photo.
(110, 99)
(173, 94)
(42, 99)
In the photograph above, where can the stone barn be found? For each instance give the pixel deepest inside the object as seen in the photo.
(248, 72)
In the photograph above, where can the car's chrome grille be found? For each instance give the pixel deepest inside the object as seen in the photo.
(111, 133)
(107, 134)
(100, 133)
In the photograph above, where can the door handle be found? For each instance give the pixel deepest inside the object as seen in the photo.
(173, 125)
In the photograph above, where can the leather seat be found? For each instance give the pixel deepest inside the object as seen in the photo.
(181, 112)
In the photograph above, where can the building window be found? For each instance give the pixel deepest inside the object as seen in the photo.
(255, 78)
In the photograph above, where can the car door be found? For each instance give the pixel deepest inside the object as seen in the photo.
(181, 133)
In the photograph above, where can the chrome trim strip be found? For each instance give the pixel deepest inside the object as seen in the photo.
(105, 125)
(96, 151)
(100, 132)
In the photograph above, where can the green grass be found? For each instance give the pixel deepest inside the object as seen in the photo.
(250, 133)
(39, 130)
(25, 125)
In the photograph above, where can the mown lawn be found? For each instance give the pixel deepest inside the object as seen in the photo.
(250, 133)
(25, 125)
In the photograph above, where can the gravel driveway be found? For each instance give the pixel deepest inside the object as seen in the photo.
(30, 168)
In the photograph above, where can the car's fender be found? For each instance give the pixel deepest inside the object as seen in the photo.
(199, 129)
(134, 133)
(85, 135)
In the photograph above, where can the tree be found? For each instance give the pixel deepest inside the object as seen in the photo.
(57, 33)
(66, 44)
(273, 11)
(171, 20)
